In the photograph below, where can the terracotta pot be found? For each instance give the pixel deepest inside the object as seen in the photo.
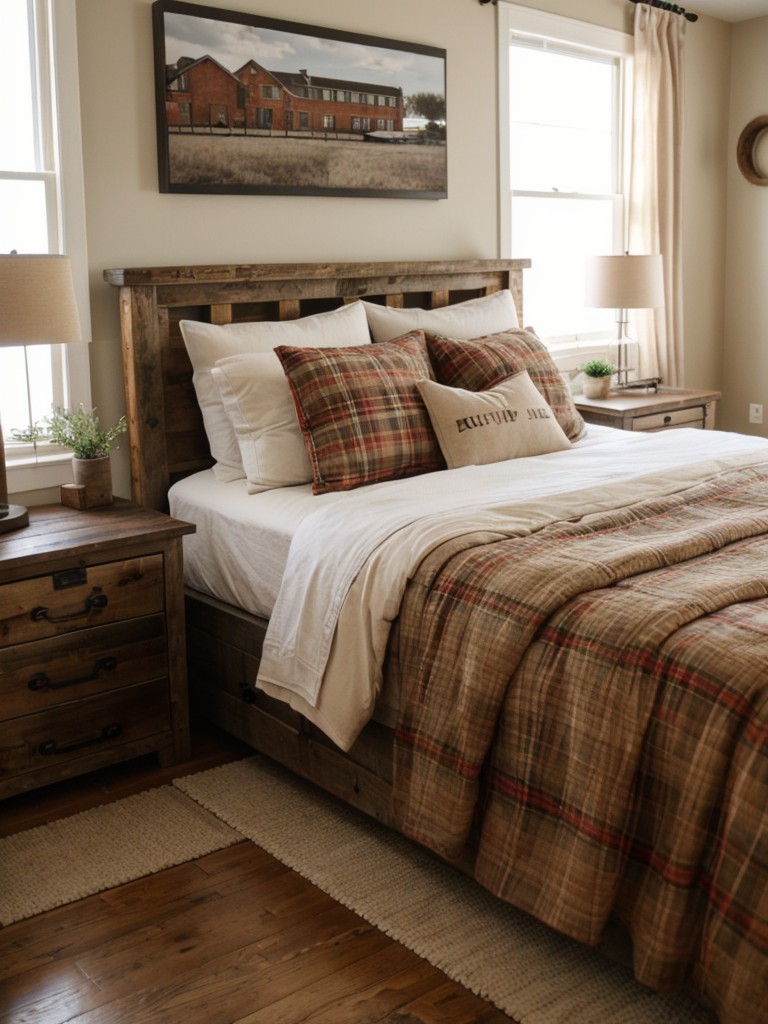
(95, 477)
(597, 387)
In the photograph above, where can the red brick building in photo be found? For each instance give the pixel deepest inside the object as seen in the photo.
(203, 94)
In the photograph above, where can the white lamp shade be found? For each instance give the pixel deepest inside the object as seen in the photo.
(625, 282)
(37, 301)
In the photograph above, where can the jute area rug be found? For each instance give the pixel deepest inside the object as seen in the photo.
(506, 957)
(103, 848)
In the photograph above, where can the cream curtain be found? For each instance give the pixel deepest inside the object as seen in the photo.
(655, 189)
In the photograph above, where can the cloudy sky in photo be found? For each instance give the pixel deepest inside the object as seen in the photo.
(233, 44)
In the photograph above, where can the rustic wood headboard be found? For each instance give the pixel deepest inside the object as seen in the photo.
(167, 439)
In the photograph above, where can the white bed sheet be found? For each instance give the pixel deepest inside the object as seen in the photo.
(239, 550)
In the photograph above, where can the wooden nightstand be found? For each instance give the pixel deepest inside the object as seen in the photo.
(660, 410)
(92, 647)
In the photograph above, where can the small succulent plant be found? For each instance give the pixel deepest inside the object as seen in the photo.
(79, 431)
(598, 368)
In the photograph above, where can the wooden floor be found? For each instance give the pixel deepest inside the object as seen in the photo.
(233, 937)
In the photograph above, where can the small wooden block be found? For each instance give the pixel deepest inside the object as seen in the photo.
(73, 495)
(83, 496)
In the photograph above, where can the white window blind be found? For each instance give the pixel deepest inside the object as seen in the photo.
(41, 211)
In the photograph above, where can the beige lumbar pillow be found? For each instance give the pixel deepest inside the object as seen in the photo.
(508, 421)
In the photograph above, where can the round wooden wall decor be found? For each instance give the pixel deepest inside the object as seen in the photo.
(745, 150)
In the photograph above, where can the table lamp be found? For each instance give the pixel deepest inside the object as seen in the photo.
(37, 307)
(623, 283)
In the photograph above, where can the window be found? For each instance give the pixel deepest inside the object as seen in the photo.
(563, 97)
(40, 147)
(329, 122)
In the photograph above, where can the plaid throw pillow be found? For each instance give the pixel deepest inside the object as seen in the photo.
(360, 411)
(481, 363)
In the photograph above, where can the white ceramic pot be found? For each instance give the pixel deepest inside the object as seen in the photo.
(596, 387)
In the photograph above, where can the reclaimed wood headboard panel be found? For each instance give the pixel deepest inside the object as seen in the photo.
(167, 439)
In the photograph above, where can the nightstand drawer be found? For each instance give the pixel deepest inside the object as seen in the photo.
(76, 598)
(693, 417)
(35, 677)
(83, 728)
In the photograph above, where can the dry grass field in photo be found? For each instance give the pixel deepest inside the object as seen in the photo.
(264, 162)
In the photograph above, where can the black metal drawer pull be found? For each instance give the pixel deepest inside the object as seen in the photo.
(94, 600)
(248, 693)
(109, 732)
(40, 680)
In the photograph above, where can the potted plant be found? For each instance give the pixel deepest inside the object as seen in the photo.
(79, 431)
(597, 378)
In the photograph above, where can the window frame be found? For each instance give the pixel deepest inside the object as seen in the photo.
(570, 34)
(31, 467)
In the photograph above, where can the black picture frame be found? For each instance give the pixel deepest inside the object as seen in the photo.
(232, 124)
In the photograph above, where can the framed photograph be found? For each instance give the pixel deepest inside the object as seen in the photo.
(255, 105)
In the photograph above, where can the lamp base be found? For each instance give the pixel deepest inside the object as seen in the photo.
(12, 517)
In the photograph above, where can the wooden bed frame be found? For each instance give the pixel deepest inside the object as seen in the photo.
(168, 442)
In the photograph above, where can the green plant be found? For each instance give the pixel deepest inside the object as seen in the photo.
(79, 431)
(598, 368)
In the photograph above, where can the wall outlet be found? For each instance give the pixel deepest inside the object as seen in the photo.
(755, 412)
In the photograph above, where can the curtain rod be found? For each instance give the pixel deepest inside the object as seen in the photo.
(651, 3)
(667, 7)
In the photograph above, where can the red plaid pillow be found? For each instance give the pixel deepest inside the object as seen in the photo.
(361, 414)
(482, 363)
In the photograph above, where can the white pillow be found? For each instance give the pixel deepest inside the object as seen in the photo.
(255, 393)
(207, 343)
(509, 421)
(490, 314)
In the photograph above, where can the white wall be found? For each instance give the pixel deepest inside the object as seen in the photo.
(745, 331)
(131, 224)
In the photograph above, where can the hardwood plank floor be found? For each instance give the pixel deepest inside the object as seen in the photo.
(232, 938)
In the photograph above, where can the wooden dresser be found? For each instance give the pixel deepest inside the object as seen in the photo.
(92, 644)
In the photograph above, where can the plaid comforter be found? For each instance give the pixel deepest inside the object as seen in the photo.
(593, 701)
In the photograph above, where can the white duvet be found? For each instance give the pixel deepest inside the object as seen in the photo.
(349, 561)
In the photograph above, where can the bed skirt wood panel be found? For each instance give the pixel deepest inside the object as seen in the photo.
(224, 645)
